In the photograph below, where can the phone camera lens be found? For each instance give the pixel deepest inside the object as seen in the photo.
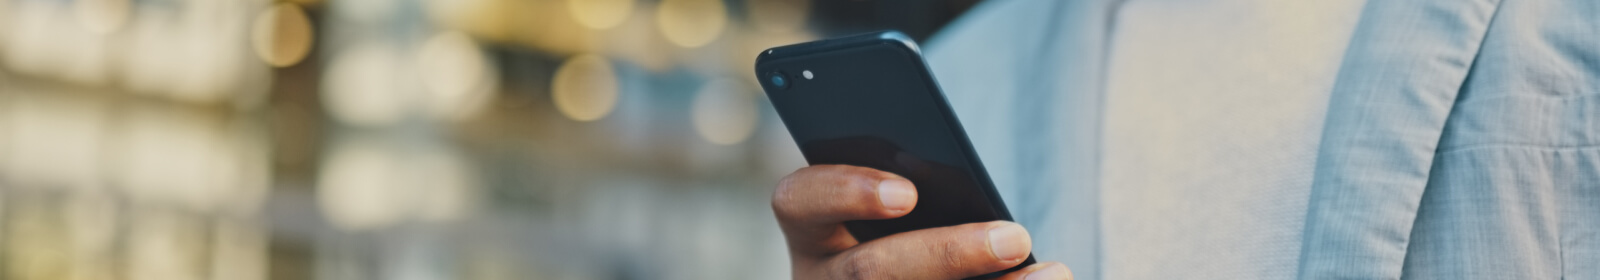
(778, 80)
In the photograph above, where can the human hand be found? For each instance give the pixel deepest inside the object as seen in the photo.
(812, 203)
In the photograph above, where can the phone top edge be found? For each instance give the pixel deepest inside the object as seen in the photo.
(896, 36)
(870, 38)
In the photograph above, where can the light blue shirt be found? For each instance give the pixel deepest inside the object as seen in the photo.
(1247, 139)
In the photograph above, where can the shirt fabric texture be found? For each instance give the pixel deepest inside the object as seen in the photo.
(1257, 139)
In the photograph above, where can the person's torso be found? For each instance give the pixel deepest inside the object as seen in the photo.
(1257, 139)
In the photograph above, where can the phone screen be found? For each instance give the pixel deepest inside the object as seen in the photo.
(869, 100)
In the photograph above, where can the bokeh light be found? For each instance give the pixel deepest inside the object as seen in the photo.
(52, 39)
(458, 76)
(360, 86)
(282, 35)
(178, 158)
(358, 188)
(395, 139)
(368, 183)
(200, 54)
(600, 14)
(53, 142)
(641, 43)
(725, 111)
(585, 88)
(691, 23)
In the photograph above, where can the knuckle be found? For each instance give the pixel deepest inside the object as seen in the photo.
(843, 171)
(819, 189)
(862, 265)
(790, 192)
(951, 254)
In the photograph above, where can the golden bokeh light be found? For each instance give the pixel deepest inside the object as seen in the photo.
(61, 41)
(53, 142)
(183, 159)
(458, 77)
(358, 189)
(778, 16)
(640, 43)
(359, 86)
(585, 88)
(600, 14)
(223, 139)
(371, 183)
(548, 28)
(282, 35)
(691, 23)
(725, 111)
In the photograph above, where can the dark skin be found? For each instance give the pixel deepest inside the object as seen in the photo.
(812, 203)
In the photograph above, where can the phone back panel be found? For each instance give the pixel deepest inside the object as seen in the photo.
(872, 103)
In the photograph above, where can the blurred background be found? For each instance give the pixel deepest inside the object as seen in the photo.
(401, 139)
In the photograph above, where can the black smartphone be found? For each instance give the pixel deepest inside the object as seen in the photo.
(869, 100)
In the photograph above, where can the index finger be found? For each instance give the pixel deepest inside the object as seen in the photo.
(811, 203)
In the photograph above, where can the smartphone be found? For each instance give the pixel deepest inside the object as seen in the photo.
(869, 100)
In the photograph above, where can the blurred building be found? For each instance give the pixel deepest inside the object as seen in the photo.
(401, 139)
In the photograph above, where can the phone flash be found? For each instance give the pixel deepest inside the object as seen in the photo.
(807, 74)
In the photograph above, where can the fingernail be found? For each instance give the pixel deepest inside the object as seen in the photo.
(1054, 271)
(1009, 242)
(896, 194)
